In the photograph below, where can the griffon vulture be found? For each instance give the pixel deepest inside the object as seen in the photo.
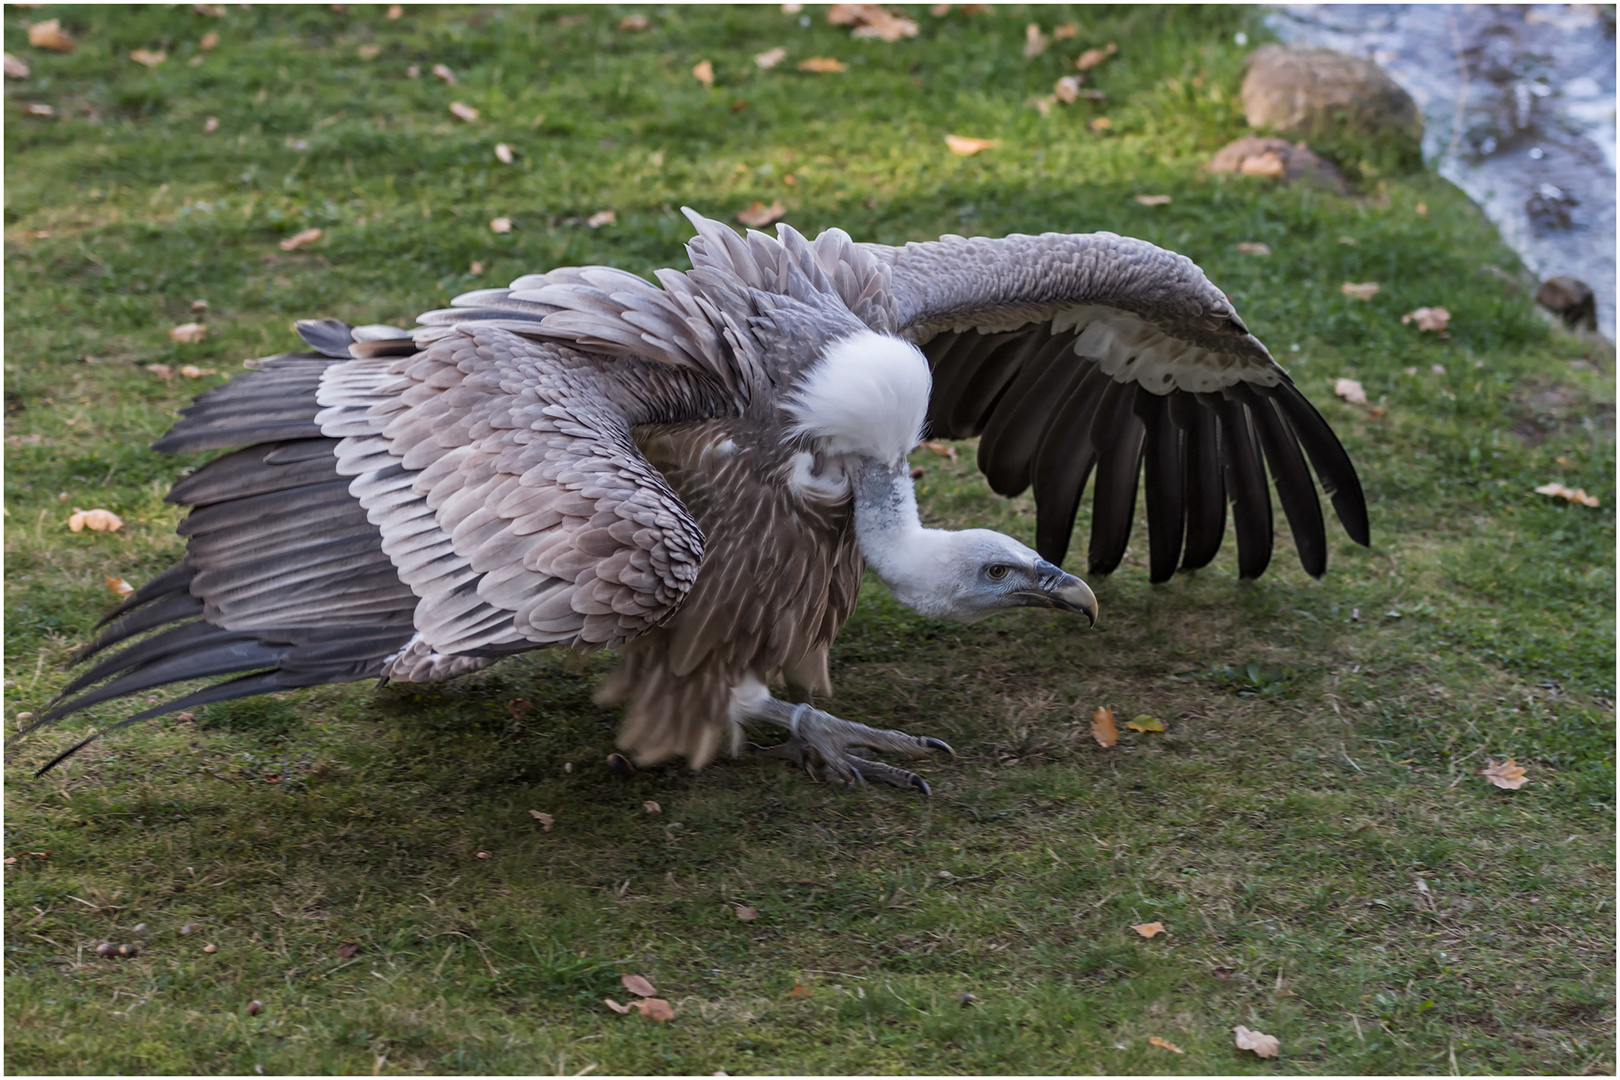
(696, 474)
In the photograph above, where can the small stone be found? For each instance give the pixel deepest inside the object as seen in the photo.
(106, 948)
(210, 948)
(1279, 159)
(254, 1008)
(1571, 299)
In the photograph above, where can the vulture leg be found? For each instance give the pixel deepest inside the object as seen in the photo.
(829, 748)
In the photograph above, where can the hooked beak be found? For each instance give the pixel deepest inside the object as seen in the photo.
(1065, 592)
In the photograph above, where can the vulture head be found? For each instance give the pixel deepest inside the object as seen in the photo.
(970, 575)
(864, 403)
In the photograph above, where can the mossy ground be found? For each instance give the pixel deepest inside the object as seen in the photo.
(1322, 739)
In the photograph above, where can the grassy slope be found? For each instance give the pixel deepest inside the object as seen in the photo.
(1322, 735)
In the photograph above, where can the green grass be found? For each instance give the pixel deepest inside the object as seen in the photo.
(1323, 736)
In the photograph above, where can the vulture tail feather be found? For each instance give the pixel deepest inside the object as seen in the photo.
(174, 607)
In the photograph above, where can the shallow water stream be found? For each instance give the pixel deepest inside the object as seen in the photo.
(1518, 110)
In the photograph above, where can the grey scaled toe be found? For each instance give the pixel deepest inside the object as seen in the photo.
(828, 748)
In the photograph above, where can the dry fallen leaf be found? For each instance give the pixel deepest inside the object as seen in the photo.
(1035, 42)
(942, 449)
(1506, 775)
(1428, 318)
(50, 35)
(703, 72)
(500, 224)
(444, 74)
(1102, 727)
(119, 586)
(1145, 723)
(163, 370)
(503, 153)
(1067, 89)
(95, 521)
(476, 268)
(209, 40)
(1222, 973)
(1263, 1045)
(1092, 57)
(347, 949)
(800, 991)
(545, 820)
(213, 11)
(871, 21)
(463, 112)
(638, 985)
(758, 215)
(770, 58)
(39, 108)
(652, 807)
(1149, 929)
(1154, 1040)
(192, 371)
(967, 147)
(1572, 494)
(148, 57)
(655, 1009)
(601, 218)
(15, 68)
(1065, 31)
(210, 125)
(395, 11)
(792, 8)
(615, 1006)
(1153, 200)
(821, 64)
(1100, 124)
(1364, 291)
(302, 239)
(1043, 105)
(1351, 390)
(1267, 164)
(192, 332)
(634, 22)
(746, 914)
(1247, 248)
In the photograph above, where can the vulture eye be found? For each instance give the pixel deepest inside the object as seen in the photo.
(997, 572)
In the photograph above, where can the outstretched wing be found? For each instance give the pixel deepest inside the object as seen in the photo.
(407, 514)
(1069, 354)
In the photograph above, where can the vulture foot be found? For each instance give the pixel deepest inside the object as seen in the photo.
(828, 748)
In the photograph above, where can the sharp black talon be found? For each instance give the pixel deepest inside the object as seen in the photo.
(921, 785)
(938, 744)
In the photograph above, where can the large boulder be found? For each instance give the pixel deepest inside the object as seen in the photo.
(1348, 108)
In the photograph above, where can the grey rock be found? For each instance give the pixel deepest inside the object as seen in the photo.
(1251, 155)
(1311, 93)
(1570, 298)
